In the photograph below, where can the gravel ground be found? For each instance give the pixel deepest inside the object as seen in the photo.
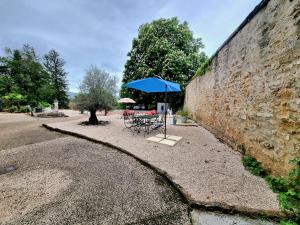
(20, 129)
(209, 172)
(65, 180)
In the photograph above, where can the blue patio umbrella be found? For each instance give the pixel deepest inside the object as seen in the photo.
(154, 84)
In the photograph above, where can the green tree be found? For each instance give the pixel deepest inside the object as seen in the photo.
(97, 92)
(164, 48)
(22, 73)
(13, 99)
(54, 65)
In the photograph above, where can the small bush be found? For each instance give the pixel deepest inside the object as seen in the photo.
(183, 112)
(206, 66)
(253, 166)
(289, 222)
(277, 184)
(120, 105)
(43, 105)
(288, 188)
(13, 109)
(23, 109)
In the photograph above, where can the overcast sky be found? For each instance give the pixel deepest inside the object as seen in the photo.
(100, 32)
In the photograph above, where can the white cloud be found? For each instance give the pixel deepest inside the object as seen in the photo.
(100, 31)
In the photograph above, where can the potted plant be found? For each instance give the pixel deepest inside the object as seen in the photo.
(183, 115)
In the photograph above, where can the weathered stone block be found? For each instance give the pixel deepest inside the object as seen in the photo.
(265, 115)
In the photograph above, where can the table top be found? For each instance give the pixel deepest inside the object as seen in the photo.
(145, 116)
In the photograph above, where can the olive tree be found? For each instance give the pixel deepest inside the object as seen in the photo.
(97, 92)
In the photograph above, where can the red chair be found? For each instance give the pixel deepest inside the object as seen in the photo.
(128, 112)
(153, 112)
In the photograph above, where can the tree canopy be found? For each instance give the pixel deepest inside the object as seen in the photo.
(97, 92)
(22, 73)
(54, 65)
(165, 48)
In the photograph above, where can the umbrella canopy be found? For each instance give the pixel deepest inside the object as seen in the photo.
(154, 84)
(126, 100)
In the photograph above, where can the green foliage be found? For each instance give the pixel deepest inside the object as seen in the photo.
(288, 188)
(277, 184)
(183, 112)
(165, 48)
(13, 98)
(79, 102)
(13, 109)
(23, 109)
(203, 68)
(12, 101)
(121, 106)
(97, 92)
(43, 105)
(22, 72)
(253, 166)
(54, 65)
(287, 222)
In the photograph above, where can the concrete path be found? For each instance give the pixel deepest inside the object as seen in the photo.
(215, 218)
(208, 172)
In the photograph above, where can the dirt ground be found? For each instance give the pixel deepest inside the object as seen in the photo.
(66, 180)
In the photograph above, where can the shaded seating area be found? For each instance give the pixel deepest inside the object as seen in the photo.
(155, 85)
(145, 123)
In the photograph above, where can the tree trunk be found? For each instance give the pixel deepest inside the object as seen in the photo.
(105, 112)
(93, 118)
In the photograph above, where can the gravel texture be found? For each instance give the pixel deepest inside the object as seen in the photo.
(68, 180)
(21, 129)
(208, 172)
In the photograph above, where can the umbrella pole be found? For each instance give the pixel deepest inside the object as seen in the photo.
(166, 113)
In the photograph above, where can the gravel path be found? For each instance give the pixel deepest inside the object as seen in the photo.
(66, 180)
(208, 172)
(20, 129)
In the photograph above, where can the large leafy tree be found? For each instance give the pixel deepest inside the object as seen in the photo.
(97, 92)
(54, 65)
(164, 48)
(21, 72)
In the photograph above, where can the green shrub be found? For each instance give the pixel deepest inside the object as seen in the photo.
(289, 222)
(23, 109)
(288, 188)
(253, 166)
(13, 99)
(277, 184)
(203, 68)
(121, 105)
(183, 112)
(289, 198)
(13, 109)
(43, 105)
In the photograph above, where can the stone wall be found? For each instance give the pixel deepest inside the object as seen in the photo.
(250, 96)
